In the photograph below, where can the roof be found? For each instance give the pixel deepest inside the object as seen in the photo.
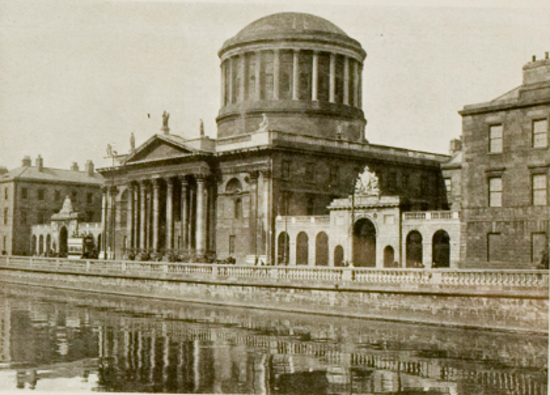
(49, 174)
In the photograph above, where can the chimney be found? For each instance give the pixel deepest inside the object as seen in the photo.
(546, 55)
(40, 163)
(89, 167)
(537, 71)
(455, 146)
(534, 58)
(3, 170)
(74, 167)
(27, 161)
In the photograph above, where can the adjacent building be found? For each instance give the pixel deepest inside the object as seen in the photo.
(30, 195)
(505, 167)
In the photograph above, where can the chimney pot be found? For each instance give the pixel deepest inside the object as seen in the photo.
(27, 161)
(534, 58)
(74, 167)
(40, 163)
(546, 55)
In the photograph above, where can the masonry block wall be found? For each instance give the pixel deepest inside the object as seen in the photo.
(505, 178)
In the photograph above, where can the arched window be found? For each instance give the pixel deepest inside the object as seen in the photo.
(339, 256)
(283, 248)
(302, 249)
(389, 256)
(33, 245)
(364, 243)
(41, 245)
(238, 208)
(48, 244)
(441, 249)
(233, 186)
(414, 249)
(321, 249)
(63, 240)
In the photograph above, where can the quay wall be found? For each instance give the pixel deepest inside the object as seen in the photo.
(507, 300)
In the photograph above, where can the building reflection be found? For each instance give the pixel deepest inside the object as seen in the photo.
(208, 350)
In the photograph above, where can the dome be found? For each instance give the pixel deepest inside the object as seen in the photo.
(290, 26)
(288, 21)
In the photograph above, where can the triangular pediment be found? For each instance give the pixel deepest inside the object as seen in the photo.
(160, 147)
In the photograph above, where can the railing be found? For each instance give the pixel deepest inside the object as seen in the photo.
(430, 215)
(451, 278)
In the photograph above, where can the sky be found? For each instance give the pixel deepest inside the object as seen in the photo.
(78, 75)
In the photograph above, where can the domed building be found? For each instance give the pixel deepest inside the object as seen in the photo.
(290, 145)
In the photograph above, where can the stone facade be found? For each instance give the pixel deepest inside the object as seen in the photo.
(505, 175)
(30, 195)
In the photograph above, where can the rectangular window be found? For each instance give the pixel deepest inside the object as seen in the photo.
(41, 193)
(24, 193)
(73, 198)
(40, 218)
(392, 180)
(494, 247)
(285, 169)
(495, 139)
(89, 198)
(23, 217)
(405, 180)
(5, 216)
(231, 244)
(495, 192)
(539, 183)
(4, 245)
(237, 209)
(310, 173)
(286, 203)
(538, 245)
(57, 196)
(449, 185)
(6, 193)
(333, 176)
(540, 133)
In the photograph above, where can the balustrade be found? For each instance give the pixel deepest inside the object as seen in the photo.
(525, 279)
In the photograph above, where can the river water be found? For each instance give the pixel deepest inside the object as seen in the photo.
(82, 342)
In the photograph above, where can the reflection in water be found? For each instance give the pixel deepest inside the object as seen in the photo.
(90, 342)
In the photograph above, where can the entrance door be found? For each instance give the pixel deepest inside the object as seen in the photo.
(414, 249)
(63, 237)
(364, 243)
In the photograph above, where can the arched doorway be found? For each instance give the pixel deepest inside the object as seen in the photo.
(364, 243)
(33, 245)
(283, 248)
(321, 249)
(302, 248)
(414, 249)
(41, 245)
(63, 238)
(389, 256)
(339, 256)
(441, 249)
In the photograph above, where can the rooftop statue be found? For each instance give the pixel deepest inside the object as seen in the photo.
(132, 141)
(367, 184)
(165, 117)
(264, 125)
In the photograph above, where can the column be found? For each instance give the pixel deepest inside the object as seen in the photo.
(156, 213)
(276, 74)
(201, 223)
(192, 216)
(266, 177)
(257, 75)
(169, 212)
(222, 79)
(136, 217)
(113, 220)
(143, 214)
(332, 97)
(360, 86)
(315, 76)
(346, 80)
(230, 82)
(105, 208)
(253, 211)
(184, 216)
(130, 217)
(296, 75)
(243, 77)
(356, 84)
